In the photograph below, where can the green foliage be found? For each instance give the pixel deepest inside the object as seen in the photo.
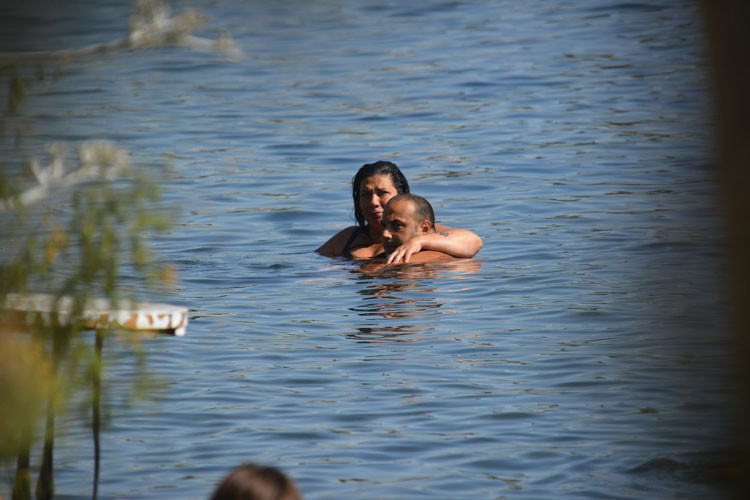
(68, 231)
(15, 93)
(73, 232)
(76, 250)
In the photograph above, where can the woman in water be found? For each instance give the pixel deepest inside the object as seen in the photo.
(372, 187)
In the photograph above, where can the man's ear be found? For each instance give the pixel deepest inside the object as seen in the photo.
(425, 227)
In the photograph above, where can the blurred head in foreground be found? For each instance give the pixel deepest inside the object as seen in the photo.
(255, 482)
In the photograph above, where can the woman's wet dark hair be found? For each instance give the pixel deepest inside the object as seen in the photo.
(377, 168)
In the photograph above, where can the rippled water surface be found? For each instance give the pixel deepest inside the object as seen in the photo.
(581, 354)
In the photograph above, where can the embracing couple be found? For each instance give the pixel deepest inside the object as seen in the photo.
(394, 224)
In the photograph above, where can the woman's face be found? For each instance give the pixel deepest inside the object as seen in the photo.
(374, 193)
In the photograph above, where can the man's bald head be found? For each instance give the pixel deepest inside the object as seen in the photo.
(422, 208)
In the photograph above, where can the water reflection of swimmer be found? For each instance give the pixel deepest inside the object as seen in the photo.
(397, 333)
(451, 268)
(400, 302)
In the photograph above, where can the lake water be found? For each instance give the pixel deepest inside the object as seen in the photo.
(583, 353)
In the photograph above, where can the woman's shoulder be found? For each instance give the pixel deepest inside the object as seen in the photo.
(347, 232)
(336, 245)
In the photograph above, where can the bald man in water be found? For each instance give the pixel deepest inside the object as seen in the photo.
(408, 216)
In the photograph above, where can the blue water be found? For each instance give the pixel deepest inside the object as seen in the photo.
(583, 353)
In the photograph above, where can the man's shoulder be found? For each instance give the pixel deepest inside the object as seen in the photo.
(429, 256)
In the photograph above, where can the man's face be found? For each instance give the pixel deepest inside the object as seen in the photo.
(399, 224)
